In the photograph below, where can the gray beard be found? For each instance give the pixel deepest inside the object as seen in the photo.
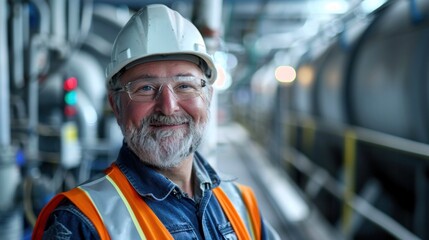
(164, 149)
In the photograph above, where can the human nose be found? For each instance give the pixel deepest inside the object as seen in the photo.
(166, 101)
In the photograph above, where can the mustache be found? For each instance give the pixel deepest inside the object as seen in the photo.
(160, 119)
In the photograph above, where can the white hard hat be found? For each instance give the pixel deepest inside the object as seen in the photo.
(158, 33)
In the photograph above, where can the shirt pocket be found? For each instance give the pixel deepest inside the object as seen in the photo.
(227, 232)
(182, 231)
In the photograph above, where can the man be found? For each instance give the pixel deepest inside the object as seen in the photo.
(159, 83)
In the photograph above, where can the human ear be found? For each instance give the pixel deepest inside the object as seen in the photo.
(114, 103)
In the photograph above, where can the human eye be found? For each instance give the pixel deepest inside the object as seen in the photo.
(186, 87)
(187, 82)
(143, 89)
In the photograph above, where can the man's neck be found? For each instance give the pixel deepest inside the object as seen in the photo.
(181, 175)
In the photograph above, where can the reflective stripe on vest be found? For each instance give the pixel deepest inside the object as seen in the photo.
(101, 190)
(125, 212)
(126, 215)
(244, 201)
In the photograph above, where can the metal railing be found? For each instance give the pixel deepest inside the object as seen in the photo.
(344, 190)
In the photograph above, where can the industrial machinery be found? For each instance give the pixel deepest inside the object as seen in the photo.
(55, 128)
(352, 129)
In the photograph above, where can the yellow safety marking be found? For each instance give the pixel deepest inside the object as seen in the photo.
(309, 133)
(349, 177)
(130, 210)
(290, 133)
(89, 197)
(249, 220)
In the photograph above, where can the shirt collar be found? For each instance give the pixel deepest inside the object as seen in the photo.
(156, 185)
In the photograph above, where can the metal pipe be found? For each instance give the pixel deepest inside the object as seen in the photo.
(207, 18)
(85, 24)
(73, 19)
(38, 40)
(5, 138)
(10, 217)
(17, 56)
(32, 150)
(88, 134)
(58, 20)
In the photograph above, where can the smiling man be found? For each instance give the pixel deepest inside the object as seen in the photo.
(165, 110)
(160, 86)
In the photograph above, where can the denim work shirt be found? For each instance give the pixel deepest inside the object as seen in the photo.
(185, 218)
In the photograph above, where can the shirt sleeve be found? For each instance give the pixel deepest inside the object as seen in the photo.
(67, 222)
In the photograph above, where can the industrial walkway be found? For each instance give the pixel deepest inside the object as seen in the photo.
(280, 202)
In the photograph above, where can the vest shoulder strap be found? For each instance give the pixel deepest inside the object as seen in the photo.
(117, 212)
(42, 219)
(77, 197)
(123, 212)
(152, 227)
(82, 201)
(240, 206)
(252, 209)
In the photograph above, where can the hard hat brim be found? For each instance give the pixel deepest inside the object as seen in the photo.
(197, 60)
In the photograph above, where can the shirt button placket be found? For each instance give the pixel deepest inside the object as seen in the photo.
(177, 194)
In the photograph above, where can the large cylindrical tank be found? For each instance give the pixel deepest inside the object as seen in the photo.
(388, 93)
(304, 86)
(106, 23)
(330, 96)
(388, 81)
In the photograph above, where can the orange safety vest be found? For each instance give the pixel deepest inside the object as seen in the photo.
(243, 214)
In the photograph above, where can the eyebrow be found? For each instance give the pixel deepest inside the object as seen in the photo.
(141, 76)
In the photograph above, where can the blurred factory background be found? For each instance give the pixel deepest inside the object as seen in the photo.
(321, 105)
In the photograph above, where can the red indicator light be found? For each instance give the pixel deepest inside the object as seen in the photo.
(69, 111)
(70, 84)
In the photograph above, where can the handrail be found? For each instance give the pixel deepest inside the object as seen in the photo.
(365, 135)
(359, 204)
(323, 179)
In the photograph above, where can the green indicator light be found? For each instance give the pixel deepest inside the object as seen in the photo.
(71, 98)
